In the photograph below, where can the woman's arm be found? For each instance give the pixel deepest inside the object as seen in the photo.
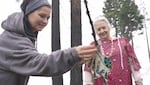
(136, 74)
(88, 78)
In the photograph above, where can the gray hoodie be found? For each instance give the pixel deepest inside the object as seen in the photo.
(19, 58)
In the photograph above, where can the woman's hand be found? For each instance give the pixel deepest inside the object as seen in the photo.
(86, 52)
(140, 82)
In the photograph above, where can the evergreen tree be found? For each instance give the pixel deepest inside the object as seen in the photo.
(124, 16)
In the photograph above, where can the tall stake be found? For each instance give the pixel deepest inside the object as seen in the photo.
(76, 72)
(56, 36)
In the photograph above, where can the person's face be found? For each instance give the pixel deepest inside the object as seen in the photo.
(39, 18)
(102, 30)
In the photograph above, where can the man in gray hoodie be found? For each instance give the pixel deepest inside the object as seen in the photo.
(19, 58)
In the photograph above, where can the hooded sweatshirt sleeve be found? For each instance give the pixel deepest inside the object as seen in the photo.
(19, 55)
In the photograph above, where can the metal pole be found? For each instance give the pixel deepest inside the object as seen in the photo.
(145, 26)
(147, 41)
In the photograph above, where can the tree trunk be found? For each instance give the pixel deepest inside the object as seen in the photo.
(76, 35)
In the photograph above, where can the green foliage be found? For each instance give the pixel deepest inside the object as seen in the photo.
(124, 16)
